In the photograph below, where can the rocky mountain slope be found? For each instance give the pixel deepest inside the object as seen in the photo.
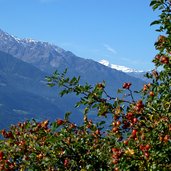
(21, 92)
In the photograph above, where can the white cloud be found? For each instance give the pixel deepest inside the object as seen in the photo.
(110, 49)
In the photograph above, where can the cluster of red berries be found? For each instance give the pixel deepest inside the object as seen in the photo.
(5, 164)
(126, 85)
(162, 58)
(145, 149)
(139, 106)
(116, 154)
(6, 134)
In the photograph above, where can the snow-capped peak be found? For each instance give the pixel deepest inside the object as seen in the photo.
(118, 67)
(6, 37)
(104, 62)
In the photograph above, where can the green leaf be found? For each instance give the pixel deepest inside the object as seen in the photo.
(51, 84)
(120, 91)
(153, 2)
(67, 115)
(155, 22)
(155, 5)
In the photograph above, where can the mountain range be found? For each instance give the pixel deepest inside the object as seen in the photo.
(24, 63)
(130, 71)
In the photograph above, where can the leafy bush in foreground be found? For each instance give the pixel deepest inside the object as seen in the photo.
(139, 135)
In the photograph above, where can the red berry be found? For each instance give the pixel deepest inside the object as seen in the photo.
(126, 85)
(116, 169)
(10, 135)
(140, 104)
(145, 87)
(1, 155)
(66, 162)
(129, 115)
(59, 122)
(158, 57)
(151, 93)
(135, 120)
(118, 123)
(166, 138)
(141, 147)
(164, 60)
(22, 143)
(126, 142)
(146, 154)
(115, 129)
(97, 132)
(72, 126)
(134, 132)
(115, 161)
(114, 150)
(147, 147)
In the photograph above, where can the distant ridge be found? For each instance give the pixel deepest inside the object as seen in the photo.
(22, 92)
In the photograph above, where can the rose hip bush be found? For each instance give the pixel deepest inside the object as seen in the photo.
(138, 137)
(60, 145)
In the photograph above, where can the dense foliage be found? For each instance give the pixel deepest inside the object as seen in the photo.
(139, 134)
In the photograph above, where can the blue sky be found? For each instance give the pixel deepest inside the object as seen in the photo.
(115, 30)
